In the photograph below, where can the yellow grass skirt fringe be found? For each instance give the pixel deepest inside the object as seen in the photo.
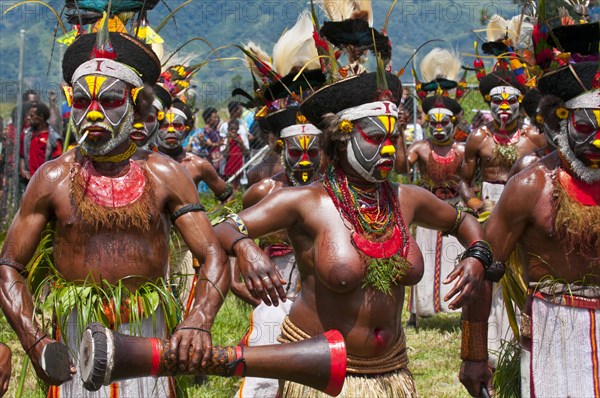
(385, 376)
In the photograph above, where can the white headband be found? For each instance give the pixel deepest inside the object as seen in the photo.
(380, 108)
(299, 129)
(178, 112)
(589, 99)
(443, 111)
(110, 68)
(505, 89)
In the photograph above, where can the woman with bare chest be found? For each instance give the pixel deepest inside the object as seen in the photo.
(350, 234)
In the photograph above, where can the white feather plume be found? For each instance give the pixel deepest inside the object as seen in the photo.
(259, 53)
(440, 63)
(296, 47)
(496, 28)
(520, 30)
(338, 10)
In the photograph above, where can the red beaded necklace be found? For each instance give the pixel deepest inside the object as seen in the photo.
(374, 212)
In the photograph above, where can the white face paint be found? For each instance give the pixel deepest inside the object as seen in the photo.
(504, 104)
(102, 113)
(440, 124)
(371, 151)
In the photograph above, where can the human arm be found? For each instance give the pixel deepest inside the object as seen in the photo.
(191, 343)
(215, 183)
(468, 169)
(412, 155)
(5, 368)
(503, 230)
(22, 170)
(276, 212)
(19, 246)
(55, 119)
(433, 213)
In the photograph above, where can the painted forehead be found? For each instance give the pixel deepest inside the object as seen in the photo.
(96, 85)
(175, 115)
(303, 142)
(377, 124)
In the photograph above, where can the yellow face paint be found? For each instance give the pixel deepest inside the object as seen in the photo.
(94, 83)
(389, 122)
(388, 150)
(597, 114)
(304, 141)
(93, 116)
(170, 117)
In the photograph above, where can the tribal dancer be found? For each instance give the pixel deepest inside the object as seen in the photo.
(300, 144)
(439, 159)
(494, 148)
(143, 133)
(178, 121)
(551, 212)
(350, 234)
(110, 206)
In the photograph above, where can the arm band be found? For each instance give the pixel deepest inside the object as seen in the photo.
(473, 345)
(226, 193)
(459, 219)
(239, 223)
(20, 268)
(186, 209)
(481, 250)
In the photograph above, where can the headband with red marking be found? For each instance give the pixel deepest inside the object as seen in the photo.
(379, 108)
(299, 129)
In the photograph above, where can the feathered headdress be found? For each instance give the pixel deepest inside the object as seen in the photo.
(439, 70)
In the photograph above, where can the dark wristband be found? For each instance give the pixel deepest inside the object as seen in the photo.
(235, 242)
(20, 268)
(186, 209)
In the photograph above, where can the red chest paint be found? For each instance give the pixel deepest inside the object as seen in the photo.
(114, 191)
(379, 339)
(581, 191)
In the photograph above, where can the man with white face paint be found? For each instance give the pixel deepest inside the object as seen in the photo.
(176, 124)
(439, 159)
(551, 211)
(495, 147)
(143, 132)
(111, 206)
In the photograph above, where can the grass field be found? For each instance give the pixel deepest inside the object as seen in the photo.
(433, 350)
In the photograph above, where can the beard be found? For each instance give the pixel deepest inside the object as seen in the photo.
(583, 172)
(121, 136)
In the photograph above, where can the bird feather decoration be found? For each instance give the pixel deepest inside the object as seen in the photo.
(440, 63)
(296, 47)
(339, 10)
(260, 55)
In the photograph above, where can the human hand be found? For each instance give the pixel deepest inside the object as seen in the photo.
(470, 276)
(474, 375)
(190, 346)
(51, 361)
(260, 275)
(5, 368)
(240, 290)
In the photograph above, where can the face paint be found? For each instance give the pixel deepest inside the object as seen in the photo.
(440, 124)
(102, 111)
(172, 130)
(504, 103)
(371, 151)
(142, 133)
(583, 133)
(302, 158)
